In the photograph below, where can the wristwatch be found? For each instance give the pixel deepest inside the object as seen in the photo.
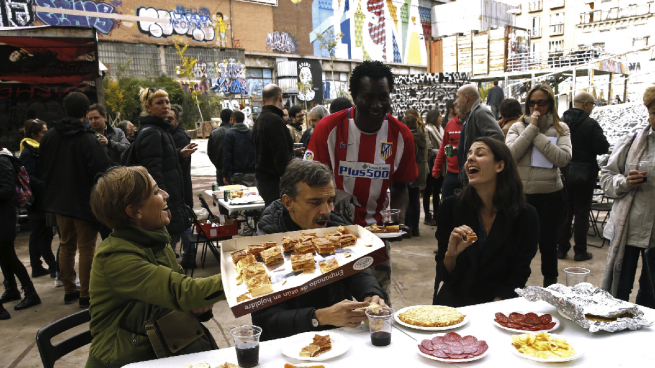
(314, 320)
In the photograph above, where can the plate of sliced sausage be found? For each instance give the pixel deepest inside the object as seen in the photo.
(453, 348)
(520, 322)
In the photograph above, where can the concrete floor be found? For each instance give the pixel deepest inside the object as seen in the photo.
(412, 283)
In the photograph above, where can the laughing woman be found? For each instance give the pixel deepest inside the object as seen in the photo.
(494, 208)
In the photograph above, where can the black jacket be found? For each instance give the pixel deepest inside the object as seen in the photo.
(155, 150)
(587, 140)
(70, 159)
(117, 144)
(306, 137)
(273, 144)
(9, 167)
(503, 264)
(30, 158)
(294, 316)
(238, 151)
(182, 140)
(215, 145)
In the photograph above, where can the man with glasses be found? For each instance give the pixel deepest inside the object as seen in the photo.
(588, 141)
(296, 121)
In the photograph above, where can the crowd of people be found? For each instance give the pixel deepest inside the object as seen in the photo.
(521, 179)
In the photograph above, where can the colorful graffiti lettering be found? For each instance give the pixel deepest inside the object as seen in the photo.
(16, 13)
(232, 78)
(103, 25)
(281, 41)
(196, 25)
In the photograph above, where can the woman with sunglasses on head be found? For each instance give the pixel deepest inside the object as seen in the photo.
(541, 143)
(155, 150)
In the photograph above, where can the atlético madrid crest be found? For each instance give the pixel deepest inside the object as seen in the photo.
(386, 148)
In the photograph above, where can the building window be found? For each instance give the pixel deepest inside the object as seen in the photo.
(257, 79)
(554, 4)
(556, 24)
(555, 46)
(536, 27)
(534, 6)
(640, 41)
(337, 87)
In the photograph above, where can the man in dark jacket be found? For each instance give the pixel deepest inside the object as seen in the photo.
(494, 97)
(239, 153)
(588, 141)
(112, 139)
(215, 143)
(307, 190)
(71, 158)
(273, 145)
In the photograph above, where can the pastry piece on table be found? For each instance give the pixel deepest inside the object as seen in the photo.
(375, 229)
(312, 235)
(272, 256)
(348, 239)
(310, 351)
(323, 246)
(259, 285)
(238, 255)
(289, 243)
(302, 262)
(378, 324)
(392, 228)
(328, 265)
(268, 244)
(256, 250)
(324, 342)
(242, 297)
(253, 270)
(242, 265)
(342, 230)
(306, 246)
(335, 238)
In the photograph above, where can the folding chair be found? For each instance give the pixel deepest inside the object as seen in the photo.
(204, 205)
(198, 236)
(51, 353)
(599, 207)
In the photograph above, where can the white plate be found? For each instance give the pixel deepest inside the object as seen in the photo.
(526, 331)
(579, 352)
(311, 365)
(465, 321)
(340, 345)
(390, 235)
(450, 360)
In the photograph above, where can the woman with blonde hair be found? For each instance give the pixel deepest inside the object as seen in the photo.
(630, 227)
(154, 149)
(541, 143)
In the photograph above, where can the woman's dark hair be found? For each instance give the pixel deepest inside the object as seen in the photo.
(31, 128)
(450, 104)
(433, 117)
(411, 121)
(509, 196)
(372, 69)
(510, 109)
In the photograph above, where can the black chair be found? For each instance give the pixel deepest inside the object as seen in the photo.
(51, 353)
(197, 237)
(204, 205)
(599, 207)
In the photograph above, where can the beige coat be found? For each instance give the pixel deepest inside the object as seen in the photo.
(295, 133)
(520, 139)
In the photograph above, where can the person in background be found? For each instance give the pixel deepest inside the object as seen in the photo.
(542, 134)
(451, 113)
(308, 194)
(587, 141)
(495, 96)
(128, 129)
(112, 139)
(11, 266)
(617, 100)
(135, 277)
(414, 188)
(215, 148)
(285, 116)
(40, 235)
(317, 113)
(70, 159)
(340, 103)
(433, 185)
(510, 113)
(273, 145)
(494, 208)
(239, 153)
(295, 124)
(630, 227)
(451, 134)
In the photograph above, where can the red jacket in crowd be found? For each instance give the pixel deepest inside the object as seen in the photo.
(450, 136)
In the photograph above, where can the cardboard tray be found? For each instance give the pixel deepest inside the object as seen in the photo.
(286, 284)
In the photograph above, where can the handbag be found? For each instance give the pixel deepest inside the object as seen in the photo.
(174, 333)
(578, 174)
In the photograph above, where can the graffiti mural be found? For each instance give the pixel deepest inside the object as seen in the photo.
(425, 92)
(103, 25)
(618, 121)
(221, 27)
(16, 13)
(281, 41)
(384, 30)
(231, 78)
(182, 21)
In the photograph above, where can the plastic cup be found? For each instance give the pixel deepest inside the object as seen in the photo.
(643, 167)
(246, 342)
(633, 166)
(390, 217)
(575, 275)
(380, 322)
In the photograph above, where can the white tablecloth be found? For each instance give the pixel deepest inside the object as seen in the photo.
(602, 349)
(235, 207)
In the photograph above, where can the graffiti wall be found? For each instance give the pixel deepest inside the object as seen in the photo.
(425, 92)
(618, 121)
(103, 25)
(226, 77)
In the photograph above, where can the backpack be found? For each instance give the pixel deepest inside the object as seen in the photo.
(23, 190)
(129, 156)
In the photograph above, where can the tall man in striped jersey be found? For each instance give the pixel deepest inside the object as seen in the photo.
(369, 152)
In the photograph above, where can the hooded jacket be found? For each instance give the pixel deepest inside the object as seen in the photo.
(70, 159)
(182, 140)
(9, 167)
(215, 145)
(273, 144)
(294, 316)
(587, 140)
(133, 271)
(116, 145)
(29, 156)
(238, 151)
(156, 151)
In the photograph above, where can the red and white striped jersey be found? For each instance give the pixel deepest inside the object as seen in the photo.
(364, 163)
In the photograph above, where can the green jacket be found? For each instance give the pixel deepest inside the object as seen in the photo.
(133, 271)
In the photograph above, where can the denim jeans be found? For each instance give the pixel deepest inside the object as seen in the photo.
(414, 208)
(450, 184)
(189, 251)
(628, 271)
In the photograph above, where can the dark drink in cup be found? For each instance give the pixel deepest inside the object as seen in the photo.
(380, 338)
(247, 354)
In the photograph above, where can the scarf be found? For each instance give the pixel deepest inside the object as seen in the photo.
(29, 141)
(620, 214)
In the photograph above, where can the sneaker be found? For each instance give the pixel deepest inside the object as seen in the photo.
(560, 254)
(71, 298)
(583, 257)
(38, 272)
(84, 303)
(77, 283)
(58, 282)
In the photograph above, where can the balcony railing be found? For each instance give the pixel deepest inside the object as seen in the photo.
(556, 29)
(534, 6)
(536, 33)
(616, 13)
(554, 4)
(553, 59)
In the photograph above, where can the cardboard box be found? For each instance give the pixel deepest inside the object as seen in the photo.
(228, 228)
(286, 284)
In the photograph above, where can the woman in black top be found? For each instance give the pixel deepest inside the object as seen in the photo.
(493, 207)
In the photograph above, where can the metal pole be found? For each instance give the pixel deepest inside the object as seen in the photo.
(573, 84)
